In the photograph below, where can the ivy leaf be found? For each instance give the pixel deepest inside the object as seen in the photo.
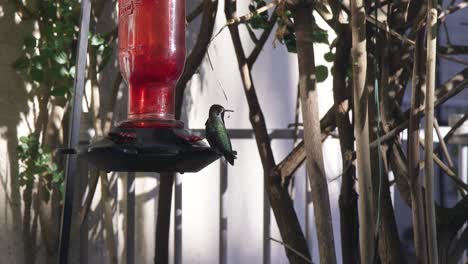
(258, 20)
(72, 71)
(47, 52)
(49, 9)
(290, 41)
(24, 140)
(61, 58)
(48, 32)
(64, 72)
(320, 36)
(38, 61)
(30, 42)
(329, 56)
(62, 188)
(97, 40)
(291, 46)
(21, 63)
(57, 177)
(321, 73)
(60, 91)
(37, 75)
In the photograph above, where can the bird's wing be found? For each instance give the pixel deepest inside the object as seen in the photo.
(227, 134)
(220, 139)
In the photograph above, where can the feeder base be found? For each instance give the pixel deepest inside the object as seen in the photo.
(149, 150)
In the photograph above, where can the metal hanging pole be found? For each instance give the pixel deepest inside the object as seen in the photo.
(74, 132)
(130, 218)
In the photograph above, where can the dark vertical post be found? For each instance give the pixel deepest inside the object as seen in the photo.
(178, 220)
(222, 213)
(164, 219)
(130, 218)
(84, 226)
(266, 228)
(70, 169)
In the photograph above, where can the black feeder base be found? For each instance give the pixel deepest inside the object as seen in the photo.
(149, 150)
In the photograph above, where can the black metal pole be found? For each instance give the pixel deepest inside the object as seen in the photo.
(164, 218)
(223, 217)
(177, 220)
(131, 218)
(74, 132)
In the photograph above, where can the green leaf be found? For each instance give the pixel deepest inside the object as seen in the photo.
(290, 42)
(48, 31)
(47, 52)
(321, 72)
(30, 42)
(63, 71)
(258, 21)
(329, 56)
(38, 62)
(52, 168)
(97, 40)
(21, 63)
(320, 37)
(62, 188)
(57, 177)
(72, 71)
(37, 75)
(61, 58)
(49, 9)
(60, 91)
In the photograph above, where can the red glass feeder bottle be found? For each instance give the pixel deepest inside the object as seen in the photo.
(151, 58)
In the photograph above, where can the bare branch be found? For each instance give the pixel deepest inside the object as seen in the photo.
(195, 13)
(438, 161)
(304, 24)
(449, 89)
(387, 29)
(361, 128)
(453, 50)
(342, 95)
(24, 10)
(279, 198)
(418, 86)
(245, 18)
(442, 144)
(451, 9)
(261, 42)
(454, 128)
(431, 29)
(460, 247)
(108, 225)
(294, 160)
(453, 59)
(198, 52)
(292, 249)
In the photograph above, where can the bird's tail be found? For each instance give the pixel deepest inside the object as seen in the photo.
(231, 156)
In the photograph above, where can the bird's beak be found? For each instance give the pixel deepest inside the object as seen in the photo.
(227, 110)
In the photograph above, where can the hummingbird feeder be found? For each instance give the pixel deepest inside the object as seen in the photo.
(151, 57)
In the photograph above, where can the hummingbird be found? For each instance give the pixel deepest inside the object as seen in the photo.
(217, 135)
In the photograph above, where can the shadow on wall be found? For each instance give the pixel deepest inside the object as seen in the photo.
(18, 242)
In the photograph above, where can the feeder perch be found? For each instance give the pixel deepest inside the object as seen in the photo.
(151, 59)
